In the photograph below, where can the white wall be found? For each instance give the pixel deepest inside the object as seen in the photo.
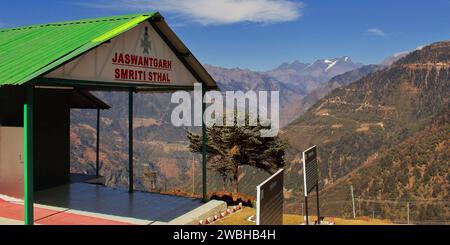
(11, 161)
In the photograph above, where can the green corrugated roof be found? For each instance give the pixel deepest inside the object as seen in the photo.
(30, 51)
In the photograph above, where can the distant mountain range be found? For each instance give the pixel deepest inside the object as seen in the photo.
(294, 81)
(304, 103)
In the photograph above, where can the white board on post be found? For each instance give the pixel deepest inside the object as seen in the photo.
(269, 202)
(310, 169)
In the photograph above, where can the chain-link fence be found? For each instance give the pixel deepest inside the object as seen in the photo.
(415, 211)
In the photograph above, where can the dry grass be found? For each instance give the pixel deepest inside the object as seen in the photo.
(145, 122)
(336, 126)
(240, 218)
(340, 221)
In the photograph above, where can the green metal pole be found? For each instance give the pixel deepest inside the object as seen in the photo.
(97, 162)
(130, 141)
(204, 138)
(28, 157)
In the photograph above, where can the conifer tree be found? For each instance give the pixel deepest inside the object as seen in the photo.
(230, 147)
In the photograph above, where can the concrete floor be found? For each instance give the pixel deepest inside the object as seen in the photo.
(108, 202)
(6, 221)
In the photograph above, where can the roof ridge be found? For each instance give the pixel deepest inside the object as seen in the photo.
(80, 21)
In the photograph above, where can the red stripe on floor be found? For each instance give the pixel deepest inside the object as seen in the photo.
(51, 217)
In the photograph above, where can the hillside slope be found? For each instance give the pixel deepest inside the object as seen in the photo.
(416, 171)
(336, 82)
(357, 123)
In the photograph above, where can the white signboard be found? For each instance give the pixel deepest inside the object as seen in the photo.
(310, 169)
(137, 56)
(269, 203)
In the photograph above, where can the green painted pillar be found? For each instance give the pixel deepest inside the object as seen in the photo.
(204, 138)
(130, 142)
(28, 147)
(97, 160)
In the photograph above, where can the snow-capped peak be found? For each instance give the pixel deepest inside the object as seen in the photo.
(420, 47)
(326, 65)
(401, 54)
(330, 64)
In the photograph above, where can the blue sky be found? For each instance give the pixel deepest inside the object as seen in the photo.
(261, 34)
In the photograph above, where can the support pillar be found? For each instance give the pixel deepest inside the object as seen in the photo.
(306, 210)
(317, 196)
(28, 149)
(204, 139)
(130, 142)
(97, 162)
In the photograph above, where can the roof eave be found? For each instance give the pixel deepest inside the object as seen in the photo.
(182, 51)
